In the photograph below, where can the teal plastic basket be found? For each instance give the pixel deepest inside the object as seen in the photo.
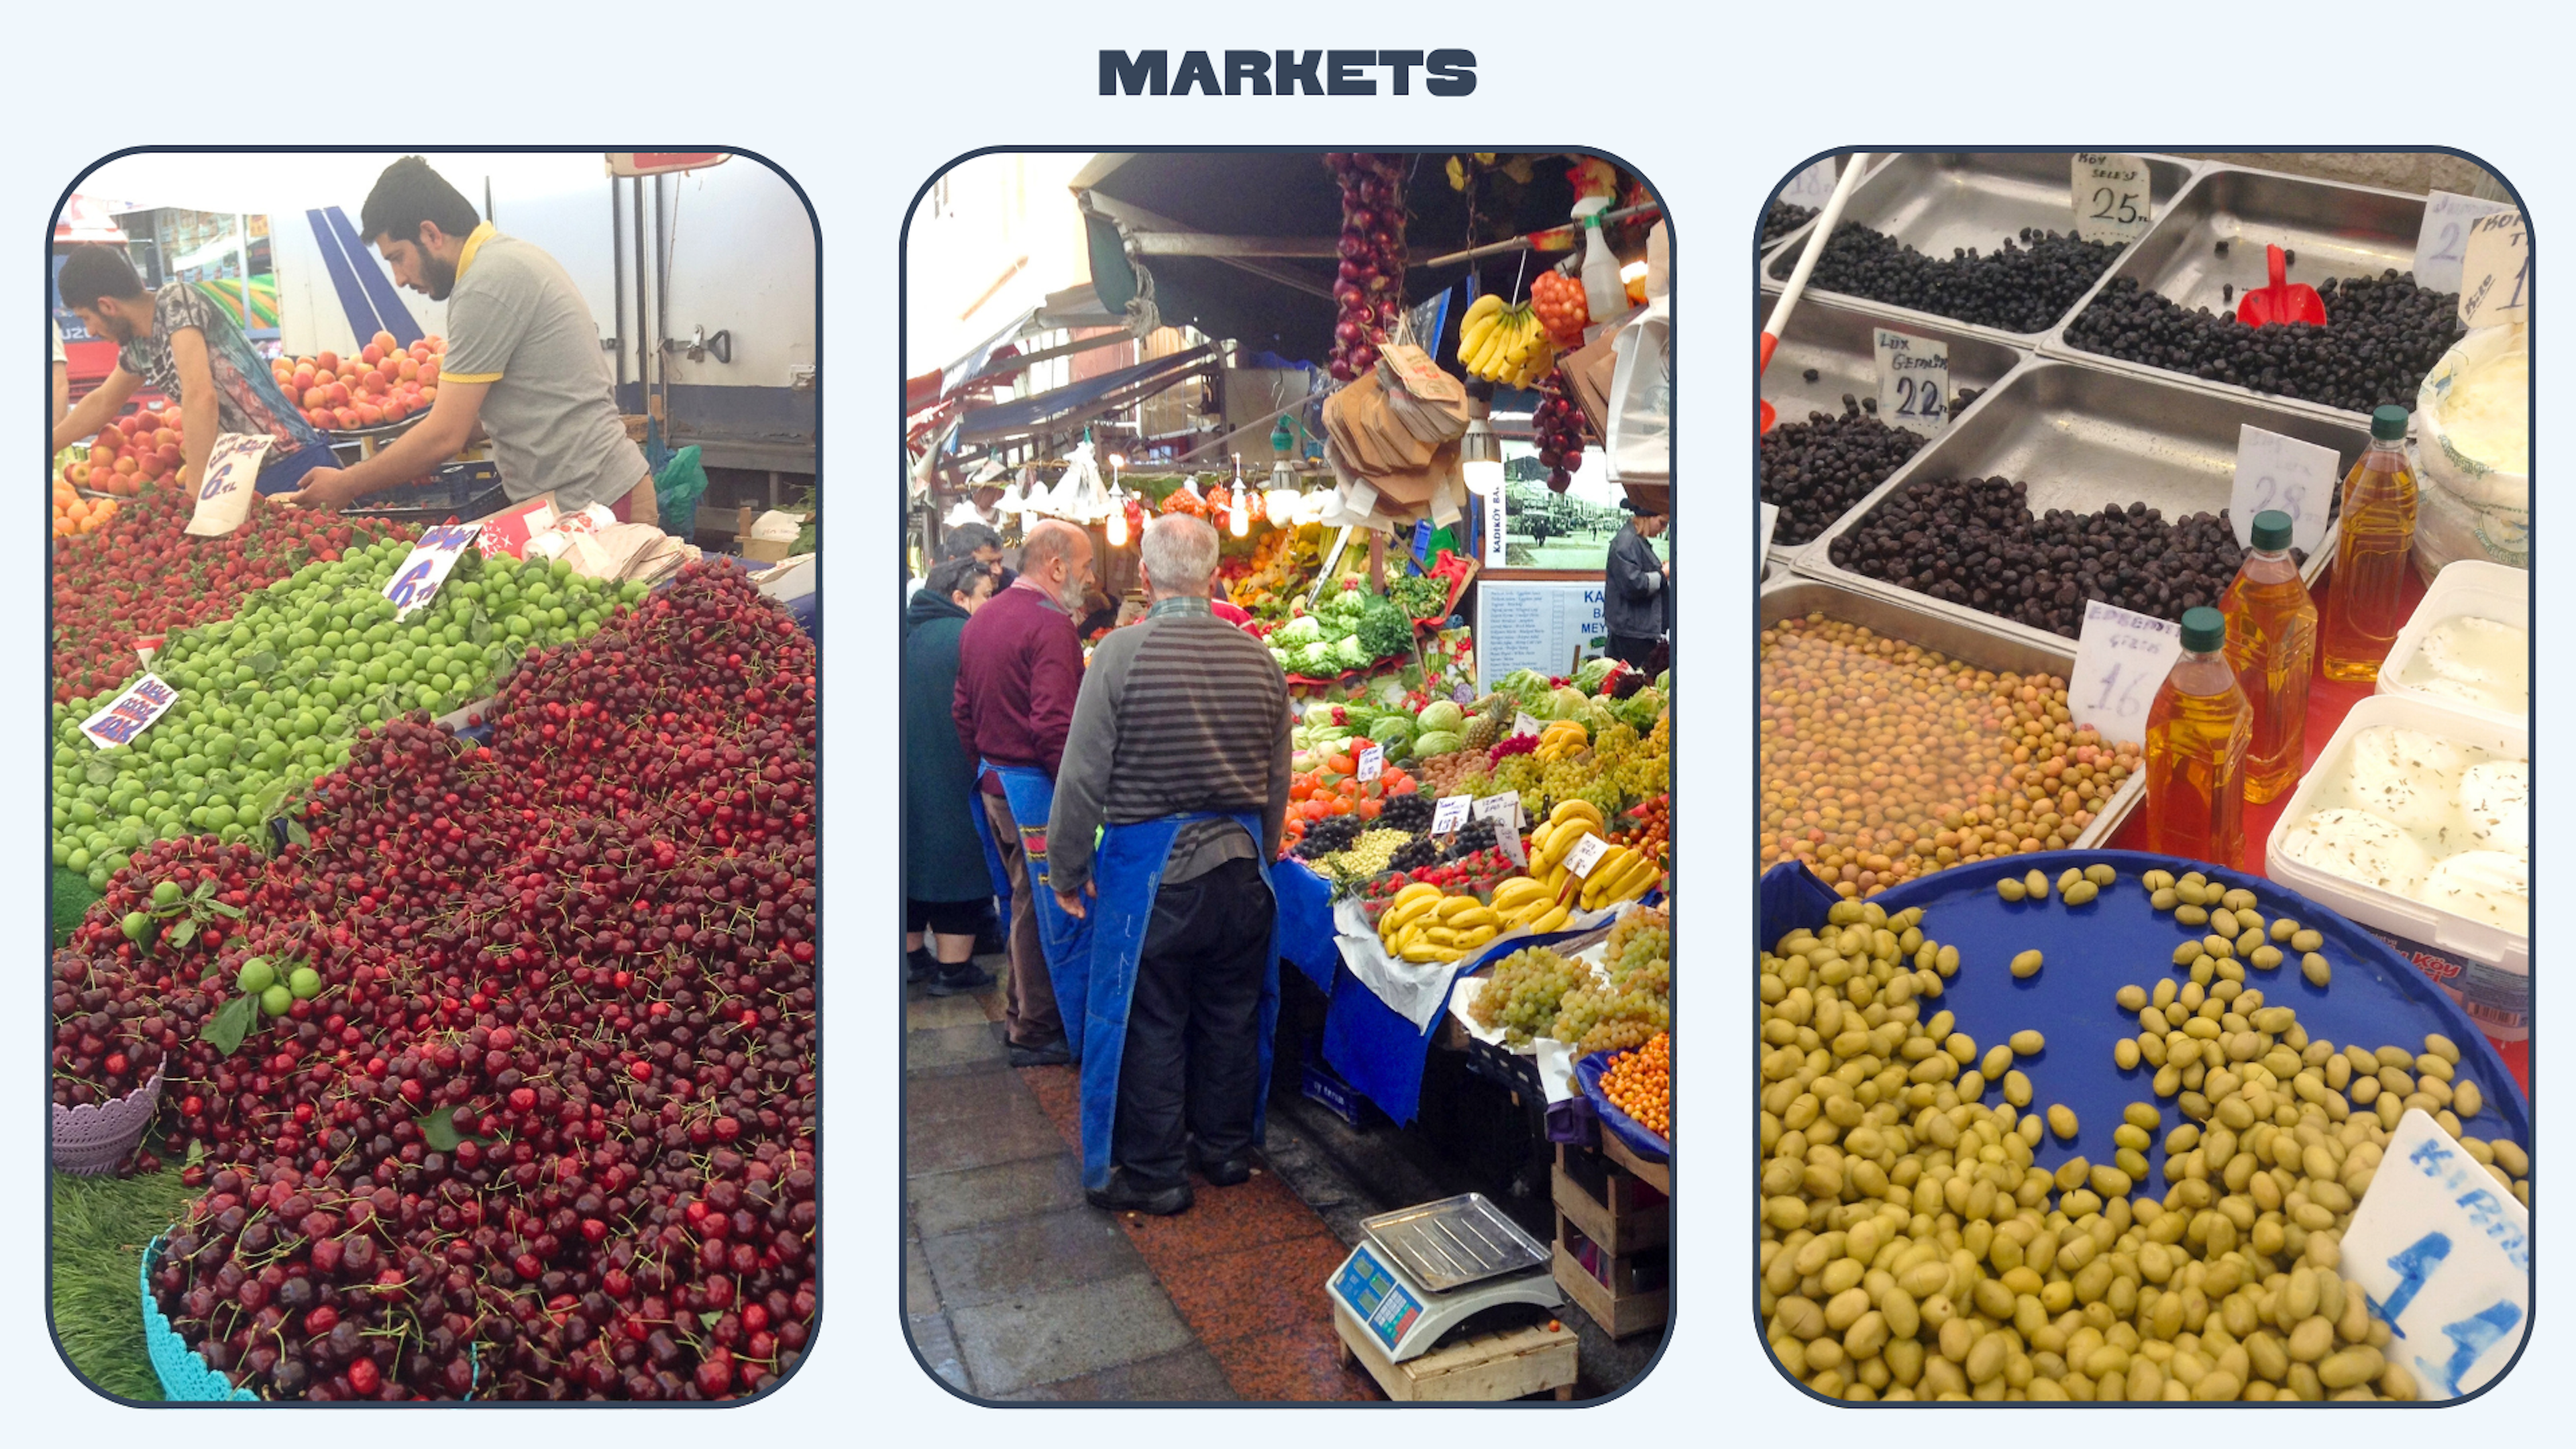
(185, 1376)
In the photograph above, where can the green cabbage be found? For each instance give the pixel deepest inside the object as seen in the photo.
(1316, 659)
(1320, 712)
(1565, 703)
(1349, 653)
(1638, 710)
(1442, 714)
(1594, 671)
(1303, 630)
(1281, 655)
(1393, 731)
(1435, 742)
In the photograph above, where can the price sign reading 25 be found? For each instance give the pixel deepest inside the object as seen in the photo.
(417, 581)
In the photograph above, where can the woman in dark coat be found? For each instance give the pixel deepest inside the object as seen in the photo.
(945, 884)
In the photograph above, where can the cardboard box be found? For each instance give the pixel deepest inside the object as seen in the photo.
(772, 536)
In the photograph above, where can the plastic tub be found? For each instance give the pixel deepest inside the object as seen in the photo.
(2485, 968)
(2470, 508)
(2469, 589)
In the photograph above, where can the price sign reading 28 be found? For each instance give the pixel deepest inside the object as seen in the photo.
(2121, 659)
(417, 581)
(2283, 474)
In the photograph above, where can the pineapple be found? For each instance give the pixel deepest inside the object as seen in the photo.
(1479, 733)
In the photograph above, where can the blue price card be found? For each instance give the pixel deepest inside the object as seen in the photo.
(1422, 539)
(417, 581)
(2444, 1251)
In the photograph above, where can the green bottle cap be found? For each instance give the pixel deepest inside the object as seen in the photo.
(2388, 424)
(2204, 630)
(2271, 530)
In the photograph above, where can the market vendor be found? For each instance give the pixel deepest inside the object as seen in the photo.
(62, 378)
(193, 351)
(523, 361)
(1635, 584)
(1180, 748)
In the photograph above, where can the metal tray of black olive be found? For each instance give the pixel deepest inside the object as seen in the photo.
(1908, 228)
(1785, 223)
(1914, 621)
(1828, 364)
(2067, 483)
(2168, 309)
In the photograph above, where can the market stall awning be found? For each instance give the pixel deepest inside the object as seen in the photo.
(1069, 405)
(90, 219)
(1236, 243)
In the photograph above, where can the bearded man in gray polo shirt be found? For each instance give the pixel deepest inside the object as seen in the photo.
(523, 360)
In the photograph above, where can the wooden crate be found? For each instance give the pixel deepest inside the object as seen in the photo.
(1487, 1368)
(1658, 1175)
(1623, 1213)
(1619, 1306)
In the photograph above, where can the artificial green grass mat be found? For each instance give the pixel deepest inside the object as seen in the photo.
(72, 898)
(101, 1225)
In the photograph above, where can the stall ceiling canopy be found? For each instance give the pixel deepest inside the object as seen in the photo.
(1290, 195)
(1065, 406)
(283, 182)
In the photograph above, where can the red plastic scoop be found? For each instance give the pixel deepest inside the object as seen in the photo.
(2284, 300)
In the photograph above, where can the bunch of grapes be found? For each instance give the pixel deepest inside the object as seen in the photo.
(1416, 854)
(1557, 428)
(1474, 836)
(1522, 995)
(1637, 1002)
(1408, 812)
(1328, 836)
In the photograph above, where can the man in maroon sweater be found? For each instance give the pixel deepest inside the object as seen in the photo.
(1019, 667)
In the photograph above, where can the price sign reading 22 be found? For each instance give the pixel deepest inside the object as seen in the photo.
(417, 581)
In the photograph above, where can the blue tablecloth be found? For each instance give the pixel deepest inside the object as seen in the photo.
(1306, 921)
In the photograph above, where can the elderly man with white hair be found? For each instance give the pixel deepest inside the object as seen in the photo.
(1179, 758)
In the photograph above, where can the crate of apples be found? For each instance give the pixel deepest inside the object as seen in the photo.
(383, 385)
(139, 448)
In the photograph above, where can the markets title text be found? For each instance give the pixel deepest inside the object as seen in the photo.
(1286, 72)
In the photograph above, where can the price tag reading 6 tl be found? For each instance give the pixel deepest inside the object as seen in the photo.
(2121, 660)
(2114, 196)
(1913, 380)
(417, 581)
(2274, 473)
(224, 494)
(2444, 1251)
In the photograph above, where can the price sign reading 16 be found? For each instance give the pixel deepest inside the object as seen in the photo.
(2118, 699)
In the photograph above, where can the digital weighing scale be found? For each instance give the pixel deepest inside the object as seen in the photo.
(1423, 1270)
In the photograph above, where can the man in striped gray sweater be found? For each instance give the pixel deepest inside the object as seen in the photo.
(1180, 713)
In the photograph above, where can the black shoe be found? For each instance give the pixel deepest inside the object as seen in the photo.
(922, 966)
(1053, 1054)
(1227, 1171)
(967, 977)
(1124, 1195)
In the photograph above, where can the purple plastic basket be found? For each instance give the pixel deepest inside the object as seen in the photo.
(96, 1137)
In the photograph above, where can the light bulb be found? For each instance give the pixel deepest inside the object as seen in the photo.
(1117, 524)
(1480, 459)
(1238, 520)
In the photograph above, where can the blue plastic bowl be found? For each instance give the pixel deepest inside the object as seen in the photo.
(2091, 951)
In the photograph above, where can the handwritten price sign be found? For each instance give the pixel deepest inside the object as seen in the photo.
(2283, 474)
(417, 581)
(2121, 660)
(1811, 188)
(130, 713)
(1913, 380)
(2113, 195)
(2495, 272)
(232, 477)
(2441, 245)
(2444, 1251)
(1586, 854)
(1372, 763)
(1450, 813)
(1503, 809)
(1770, 525)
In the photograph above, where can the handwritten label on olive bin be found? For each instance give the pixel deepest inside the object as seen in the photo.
(1913, 380)
(2444, 1251)
(2114, 196)
(2121, 659)
(2495, 275)
(2278, 474)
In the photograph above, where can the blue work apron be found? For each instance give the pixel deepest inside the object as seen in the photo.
(1065, 940)
(1129, 874)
